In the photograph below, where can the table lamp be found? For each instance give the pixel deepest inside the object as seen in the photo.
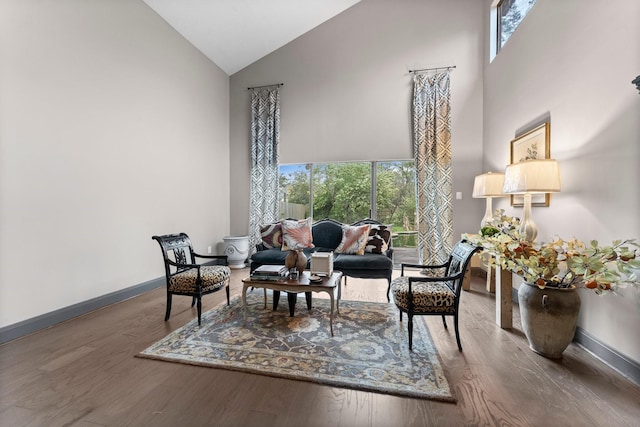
(527, 178)
(488, 185)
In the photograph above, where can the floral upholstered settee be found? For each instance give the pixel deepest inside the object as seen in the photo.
(361, 250)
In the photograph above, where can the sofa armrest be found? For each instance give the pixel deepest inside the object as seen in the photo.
(389, 252)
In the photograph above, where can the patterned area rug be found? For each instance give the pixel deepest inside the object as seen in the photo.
(368, 352)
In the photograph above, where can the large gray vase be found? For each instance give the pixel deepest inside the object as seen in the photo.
(549, 317)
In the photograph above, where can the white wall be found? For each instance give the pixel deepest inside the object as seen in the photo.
(347, 92)
(112, 128)
(574, 61)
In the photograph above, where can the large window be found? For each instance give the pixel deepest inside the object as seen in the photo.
(348, 192)
(509, 15)
(295, 191)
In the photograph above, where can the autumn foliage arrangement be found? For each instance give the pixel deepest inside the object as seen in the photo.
(559, 263)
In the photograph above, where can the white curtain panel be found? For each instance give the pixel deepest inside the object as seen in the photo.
(265, 135)
(432, 155)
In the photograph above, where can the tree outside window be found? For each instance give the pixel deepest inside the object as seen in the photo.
(510, 14)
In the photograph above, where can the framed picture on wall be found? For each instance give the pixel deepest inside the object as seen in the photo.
(533, 144)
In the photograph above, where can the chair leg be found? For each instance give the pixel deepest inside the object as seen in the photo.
(455, 324)
(193, 301)
(400, 315)
(227, 289)
(444, 322)
(410, 331)
(199, 305)
(166, 316)
(388, 290)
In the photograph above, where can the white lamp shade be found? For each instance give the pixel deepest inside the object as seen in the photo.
(532, 176)
(488, 185)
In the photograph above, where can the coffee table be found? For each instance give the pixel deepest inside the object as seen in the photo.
(293, 287)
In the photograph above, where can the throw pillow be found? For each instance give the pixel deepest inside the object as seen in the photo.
(354, 239)
(379, 238)
(296, 234)
(271, 235)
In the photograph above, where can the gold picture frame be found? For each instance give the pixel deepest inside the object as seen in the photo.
(533, 144)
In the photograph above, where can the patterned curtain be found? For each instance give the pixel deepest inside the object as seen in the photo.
(432, 155)
(265, 135)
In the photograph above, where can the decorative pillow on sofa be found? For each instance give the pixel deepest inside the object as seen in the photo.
(354, 239)
(379, 238)
(271, 235)
(296, 234)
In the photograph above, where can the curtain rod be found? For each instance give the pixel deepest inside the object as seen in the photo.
(258, 87)
(430, 69)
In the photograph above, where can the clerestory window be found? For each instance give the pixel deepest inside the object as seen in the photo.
(509, 14)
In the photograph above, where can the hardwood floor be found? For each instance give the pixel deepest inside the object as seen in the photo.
(83, 373)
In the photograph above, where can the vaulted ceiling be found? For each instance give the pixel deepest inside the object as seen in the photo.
(236, 33)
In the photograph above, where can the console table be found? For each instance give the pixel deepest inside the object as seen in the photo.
(500, 282)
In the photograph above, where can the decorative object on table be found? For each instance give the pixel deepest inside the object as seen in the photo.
(314, 278)
(296, 259)
(301, 262)
(236, 248)
(487, 186)
(370, 352)
(532, 145)
(270, 272)
(556, 269)
(438, 293)
(322, 263)
(531, 177)
(185, 277)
